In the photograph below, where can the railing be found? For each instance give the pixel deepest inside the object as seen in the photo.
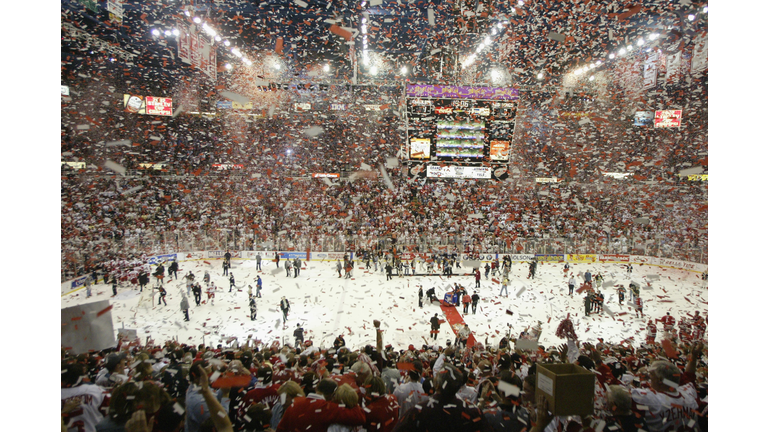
(77, 258)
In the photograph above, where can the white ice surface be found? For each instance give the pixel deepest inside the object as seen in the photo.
(327, 306)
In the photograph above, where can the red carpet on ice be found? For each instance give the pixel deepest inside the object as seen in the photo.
(454, 318)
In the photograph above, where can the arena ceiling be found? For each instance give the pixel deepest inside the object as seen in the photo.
(533, 41)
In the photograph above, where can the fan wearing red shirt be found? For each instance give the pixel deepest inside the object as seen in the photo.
(381, 409)
(263, 392)
(315, 413)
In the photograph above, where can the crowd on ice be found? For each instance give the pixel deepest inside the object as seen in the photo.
(654, 386)
(102, 222)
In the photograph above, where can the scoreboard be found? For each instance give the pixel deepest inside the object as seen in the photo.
(459, 132)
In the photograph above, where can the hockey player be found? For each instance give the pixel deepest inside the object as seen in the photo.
(621, 290)
(650, 336)
(143, 280)
(225, 266)
(475, 300)
(231, 281)
(338, 267)
(639, 307)
(173, 270)
(211, 292)
(206, 278)
(162, 292)
(159, 274)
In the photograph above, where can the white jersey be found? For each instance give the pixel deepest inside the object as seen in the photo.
(93, 408)
(671, 411)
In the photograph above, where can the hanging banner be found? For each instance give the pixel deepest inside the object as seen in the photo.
(674, 65)
(115, 9)
(700, 55)
(184, 42)
(159, 106)
(650, 70)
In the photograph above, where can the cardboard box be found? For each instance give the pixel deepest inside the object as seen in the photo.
(568, 388)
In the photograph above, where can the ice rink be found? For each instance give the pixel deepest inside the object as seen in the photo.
(326, 305)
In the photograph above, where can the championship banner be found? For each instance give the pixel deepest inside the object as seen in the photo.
(614, 258)
(184, 42)
(549, 258)
(699, 61)
(650, 71)
(581, 258)
(674, 67)
(87, 327)
(115, 9)
(462, 92)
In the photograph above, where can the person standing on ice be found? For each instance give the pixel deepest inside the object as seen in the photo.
(258, 261)
(435, 323)
(285, 306)
(159, 274)
(388, 268)
(338, 267)
(277, 259)
(162, 292)
(143, 280)
(258, 286)
(206, 277)
(252, 306)
(571, 285)
(421, 297)
(225, 266)
(287, 266)
(504, 284)
(231, 281)
(298, 334)
(475, 300)
(197, 291)
(296, 267)
(477, 278)
(185, 306)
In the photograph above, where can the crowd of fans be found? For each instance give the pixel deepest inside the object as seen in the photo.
(651, 386)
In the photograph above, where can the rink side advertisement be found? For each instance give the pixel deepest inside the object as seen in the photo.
(87, 327)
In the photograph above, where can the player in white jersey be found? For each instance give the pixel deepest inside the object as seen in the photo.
(94, 400)
(669, 406)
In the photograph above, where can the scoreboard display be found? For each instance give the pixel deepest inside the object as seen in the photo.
(459, 130)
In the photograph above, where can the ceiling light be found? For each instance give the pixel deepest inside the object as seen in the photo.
(540, 75)
(167, 32)
(156, 32)
(640, 42)
(592, 78)
(374, 70)
(403, 70)
(691, 17)
(611, 56)
(487, 40)
(197, 20)
(706, 9)
(622, 51)
(228, 66)
(598, 63)
(653, 36)
(186, 12)
(226, 43)
(175, 32)
(277, 66)
(326, 68)
(520, 2)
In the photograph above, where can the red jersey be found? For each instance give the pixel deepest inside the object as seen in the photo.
(668, 321)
